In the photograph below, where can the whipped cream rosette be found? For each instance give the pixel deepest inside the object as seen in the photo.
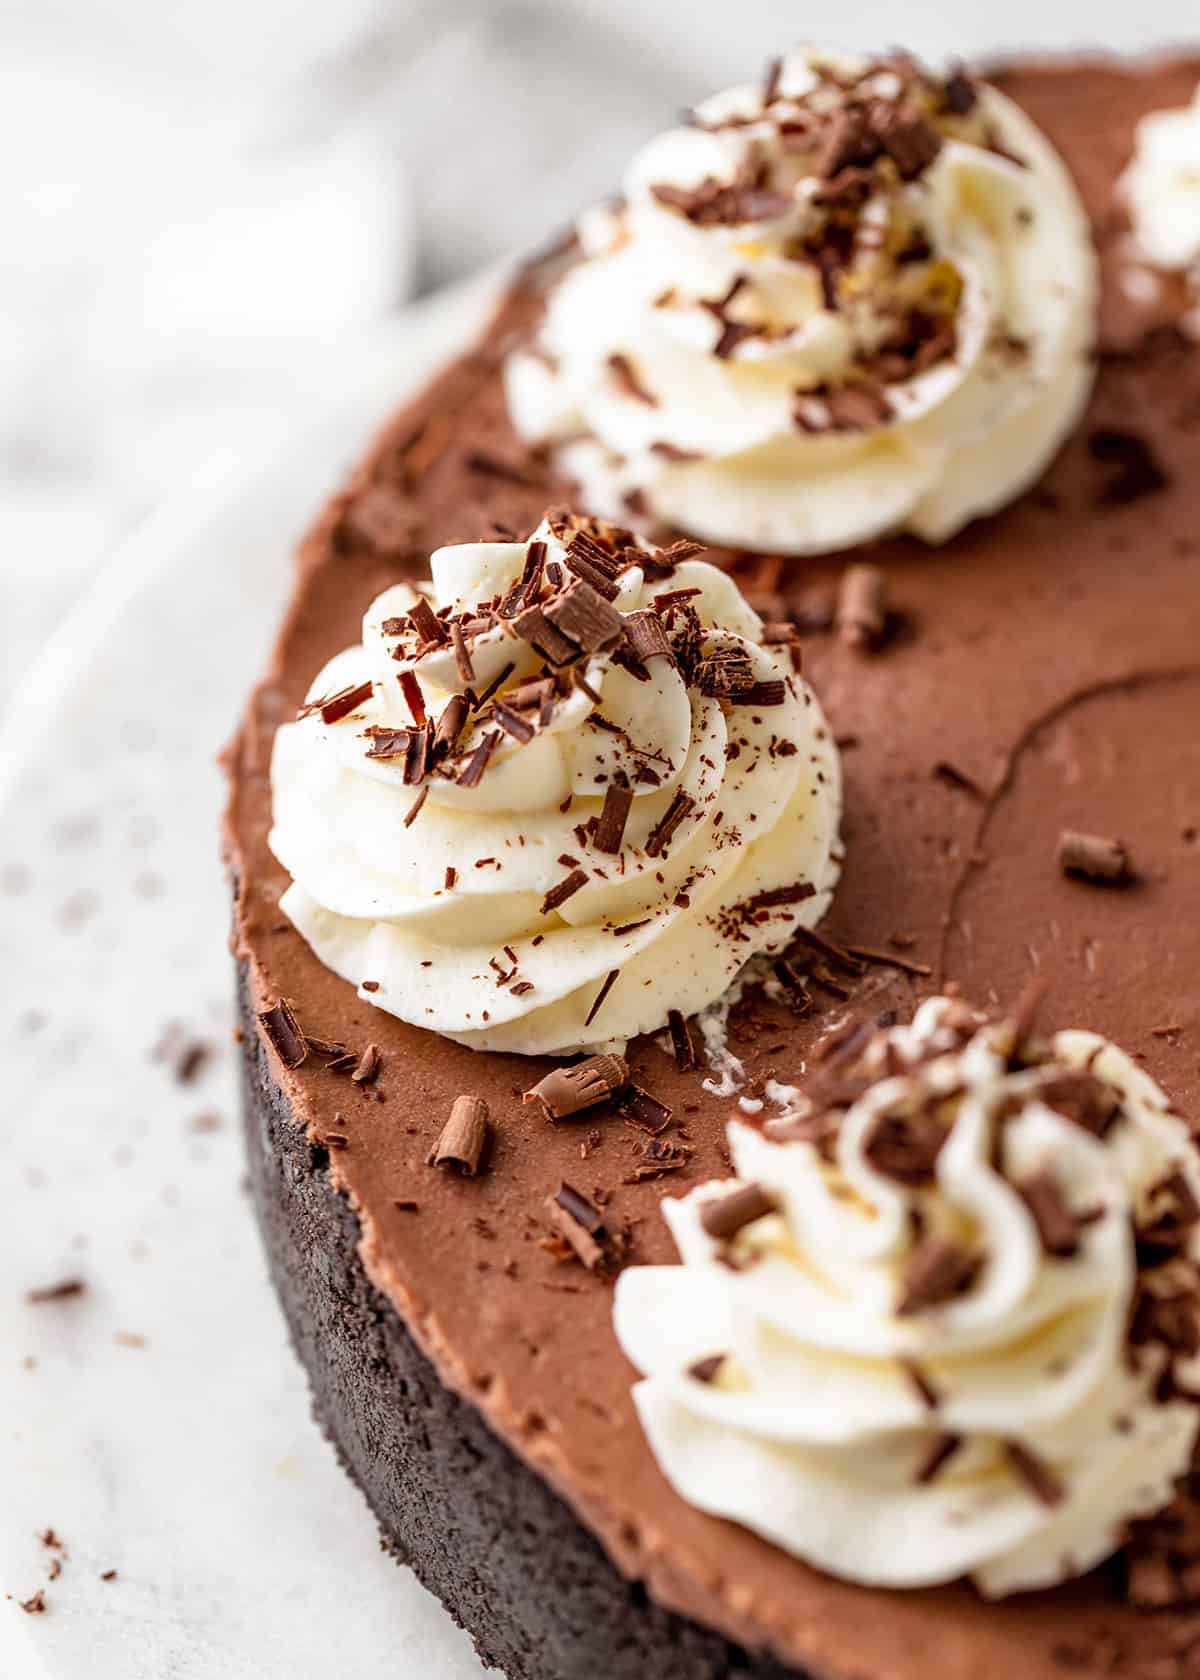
(856, 298)
(574, 785)
(944, 1322)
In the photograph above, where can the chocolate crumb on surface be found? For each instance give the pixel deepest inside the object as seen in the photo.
(581, 1226)
(941, 1451)
(707, 1370)
(463, 1144)
(1091, 857)
(610, 980)
(682, 1041)
(1037, 1475)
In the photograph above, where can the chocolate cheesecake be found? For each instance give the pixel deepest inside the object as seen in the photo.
(1016, 712)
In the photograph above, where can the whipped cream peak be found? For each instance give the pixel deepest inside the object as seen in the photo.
(945, 1320)
(1161, 189)
(568, 786)
(854, 298)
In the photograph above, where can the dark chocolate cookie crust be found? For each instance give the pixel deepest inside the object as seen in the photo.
(479, 1528)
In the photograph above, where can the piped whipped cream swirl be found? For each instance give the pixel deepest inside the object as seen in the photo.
(563, 792)
(1161, 189)
(855, 299)
(906, 1355)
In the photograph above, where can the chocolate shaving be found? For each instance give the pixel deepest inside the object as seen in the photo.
(937, 1271)
(465, 1136)
(707, 1370)
(67, 1290)
(334, 707)
(472, 772)
(429, 627)
(1037, 1475)
(1057, 1226)
(545, 638)
(908, 138)
(626, 378)
(610, 980)
(956, 778)
(725, 1216)
(862, 607)
(889, 959)
(646, 637)
(643, 1111)
(410, 687)
(859, 407)
(569, 1090)
(578, 1222)
(610, 829)
(682, 1041)
(367, 1066)
(524, 592)
(940, 1453)
(389, 743)
(659, 1157)
(563, 890)
(462, 657)
(585, 617)
(450, 725)
(1093, 858)
(923, 1384)
(513, 723)
(660, 835)
(414, 810)
(799, 998)
(581, 560)
(279, 1025)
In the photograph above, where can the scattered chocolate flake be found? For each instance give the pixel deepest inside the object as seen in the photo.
(862, 606)
(472, 772)
(578, 1222)
(660, 835)
(610, 980)
(1057, 1226)
(923, 1384)
(563, 890)
(908, 138)
(462, 656)
(960, 91)
(937, 1271)
(1093, 858)
(799, 998)
(643, 1111)
(682, 1041)
(724, 1216)
(414, 810)
(659, 1157)
(465, 1137)
(427, 624)
(1137, 470)
(451, 876)
(334, 707)
(524, 591)
(570, 1090)
(956, 778)
(610, 830)
(108, 1575)
(68, 1290)
(1037, 1475)
(707, 1370)
(941, 1451)
(513, 723)
(773, 897)
(406, 1204)
(583, 615)
(545, 638)
(35, 1604)
(450, 725)
(414, 696)
(367, 1066)
(859, 407)
(496, 683)
(625, 375)
(390, 743)
(279, 1025)
(905, 1147)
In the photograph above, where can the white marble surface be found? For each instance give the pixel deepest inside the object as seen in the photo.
(213, 214)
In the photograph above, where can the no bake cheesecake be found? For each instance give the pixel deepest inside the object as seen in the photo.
(1014, 713)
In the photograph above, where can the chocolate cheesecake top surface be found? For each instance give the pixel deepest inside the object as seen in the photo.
(1041, 675)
